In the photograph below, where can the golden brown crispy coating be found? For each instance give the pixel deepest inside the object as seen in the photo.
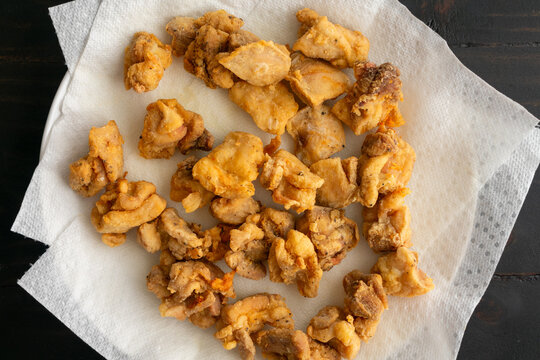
(315, 81)
(187, 190)
(241, 38)
(331, 326)
(148, 236)
(231, 167)
(126, 205)
(365, 300)
(385, 165)
(249, 249)
(340, 187)
(163, 128)
(317, 133)
(320, 351)
(146, 58)
(248, 316)
(221, 20)
(270, 106)
(102, 165)
(183, 31)
(234, 211)
(220, 237)
(373, 99)
(332, 234)
(259, 63)
(319, 38)
(275, 223)
(401, 275)
(284, 344)
(295, 260)
(291, 182)
(387, 225)
(191, 289)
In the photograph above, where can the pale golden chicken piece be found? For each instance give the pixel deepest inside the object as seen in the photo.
(146, 58)
(230, 168)
(331, 42)
(234, 211)
(387, 225)
(317, 133)
(102, 165)
(291, 182)
(284, 344)
(401, 275)
(163, 128)
(340, 187)
(241, 38)
(221, 20)
(331, 326)
(201, 52)
(187, 190)
(191, 289)
(373, 99)
(148, 236)
(315, 81)
(123, 206)
(295, 260)
(365, 300)
(270, 106)
(183, 31)
(248, 316)
(332, 234)
(259, 63)
(385, 165)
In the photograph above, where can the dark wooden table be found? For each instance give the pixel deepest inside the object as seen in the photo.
(497, 39)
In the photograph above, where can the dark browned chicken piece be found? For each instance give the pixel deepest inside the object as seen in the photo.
(183, 31)
(332, 233)
(284, 344)
(373, 99)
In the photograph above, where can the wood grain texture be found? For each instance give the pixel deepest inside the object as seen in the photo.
(497, 39)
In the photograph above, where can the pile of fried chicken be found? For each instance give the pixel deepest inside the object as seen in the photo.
(270, 82)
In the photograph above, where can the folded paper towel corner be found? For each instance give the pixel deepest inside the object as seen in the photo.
(477, 152)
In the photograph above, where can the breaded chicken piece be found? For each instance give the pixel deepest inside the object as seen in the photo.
(259, 63)
(284, 344)
(340, 187)
(315, 81)
(234, 211)
(230, 168)
(387, 225)
(317, 133)
(270, 106)
(187, 190)
(102, 165)
(146, 58)
(249, 248)
(291, 182)
(322, 39)
(373, 99)
(183, 31)
(401, 275)
(220, 20)
(385, 165)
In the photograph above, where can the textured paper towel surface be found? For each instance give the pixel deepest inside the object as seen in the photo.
(461, 129)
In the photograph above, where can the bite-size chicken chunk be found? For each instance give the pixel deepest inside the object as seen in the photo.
(373, 99)
(295, 260)
(187, 190)
(230, 168)
(365, 300)
(148, 236)
(321, 351)
(259, 63)
(191, 289)
(249, 315)
(332, 234)
(221, 20)
(291, 182)
(331, 326)
(249, 249)
(317, 133)
(385, 165)
(401, 275)
(340, 187)
(102, 165)
(123, 206)
(241, 38)
(270, 106)
(387, 225)
(275, 223)
(284, 344)
(146, 58)
(315, 81)
(234, 211)
(183, 31)
(322, 39)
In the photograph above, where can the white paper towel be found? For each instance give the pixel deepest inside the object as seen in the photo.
(461, 129)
